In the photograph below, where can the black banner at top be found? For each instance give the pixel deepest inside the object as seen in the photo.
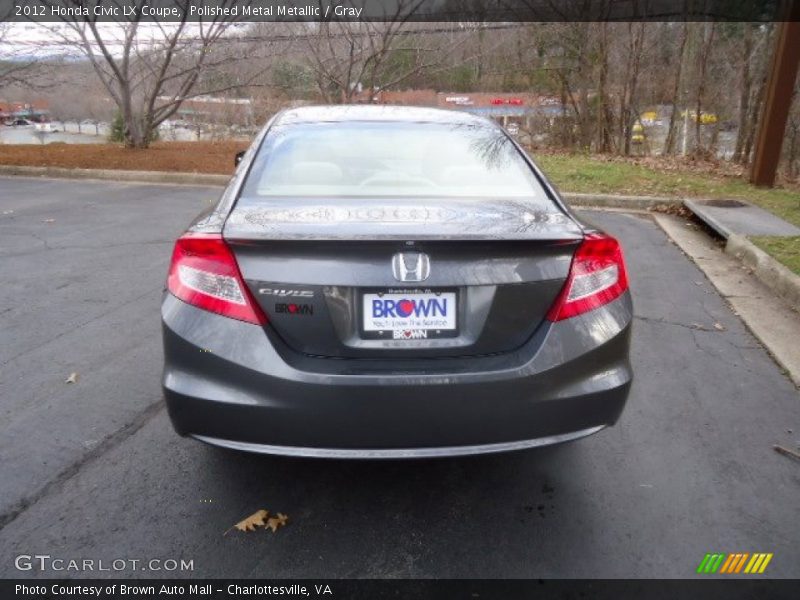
(397, 10)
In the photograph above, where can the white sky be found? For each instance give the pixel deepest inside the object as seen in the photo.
(24, 40)
(41, 39)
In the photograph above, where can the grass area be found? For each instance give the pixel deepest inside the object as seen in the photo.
(579, 173)
(784, 249)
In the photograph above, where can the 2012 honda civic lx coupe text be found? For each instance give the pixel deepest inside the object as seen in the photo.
(389, 282)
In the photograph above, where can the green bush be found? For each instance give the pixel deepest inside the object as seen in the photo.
(117, 133)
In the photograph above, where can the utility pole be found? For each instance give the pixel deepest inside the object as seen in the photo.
(778, 98)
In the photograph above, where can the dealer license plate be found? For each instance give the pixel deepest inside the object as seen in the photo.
(409, 314)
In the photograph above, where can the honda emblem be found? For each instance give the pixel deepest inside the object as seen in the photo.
(411, 266)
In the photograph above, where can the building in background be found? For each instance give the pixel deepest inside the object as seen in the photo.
(37, 111)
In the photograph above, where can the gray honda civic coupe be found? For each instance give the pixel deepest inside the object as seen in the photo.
(392, 282)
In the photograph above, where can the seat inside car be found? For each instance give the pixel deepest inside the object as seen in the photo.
(316, 172)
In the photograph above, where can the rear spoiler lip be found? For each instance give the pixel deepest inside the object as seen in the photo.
(399, 219)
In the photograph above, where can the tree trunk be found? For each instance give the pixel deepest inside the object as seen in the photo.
(752, 124)
(712, 144)
(791, 150)
(705, 50)
(479, 69)
(134, 134)
(744, 96)
(564, 125)
(756, 99)
(603, 126)
(584, 81)
(634, 60)
(669, 144)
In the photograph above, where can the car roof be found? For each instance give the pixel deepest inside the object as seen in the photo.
(378, 112)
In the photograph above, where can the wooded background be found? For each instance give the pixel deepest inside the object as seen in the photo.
(704, 81)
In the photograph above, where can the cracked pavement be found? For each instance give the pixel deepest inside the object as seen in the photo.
(93, 469)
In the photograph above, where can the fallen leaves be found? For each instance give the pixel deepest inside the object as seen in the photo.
(73, 378)
(261, 519)
(275, 522)
(203, 157)
(253, 521)
(677, 210)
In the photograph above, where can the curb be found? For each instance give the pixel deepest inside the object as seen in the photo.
(205, 179)
(763, 312)
(769, 271)
(708, 219)
(615, 201)
(772, 227)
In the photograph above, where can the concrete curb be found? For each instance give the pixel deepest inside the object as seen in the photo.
(767, 315)
(708, 219)
(616, 201)
(769, 271)
(205, 179)
(747, 219)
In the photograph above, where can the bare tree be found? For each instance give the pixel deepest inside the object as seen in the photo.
(669, 143)
(604, 118)
(707, 31)
(745, 85)
(574, 77)
(754, 65)
(27, 70)
(351, 57)
(629, 99)
(791, 148)
(149, 69)
(11, 71)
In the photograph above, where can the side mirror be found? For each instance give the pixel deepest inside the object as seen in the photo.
(238, 158)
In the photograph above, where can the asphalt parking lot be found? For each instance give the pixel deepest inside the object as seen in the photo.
(94, 470)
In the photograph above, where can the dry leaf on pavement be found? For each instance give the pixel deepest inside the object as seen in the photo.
(73, 378)
(252, 522)
(275, 522)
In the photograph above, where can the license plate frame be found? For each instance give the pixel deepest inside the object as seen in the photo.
(388, 333)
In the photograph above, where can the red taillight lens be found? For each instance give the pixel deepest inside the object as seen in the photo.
(204, 273)
(597, 277)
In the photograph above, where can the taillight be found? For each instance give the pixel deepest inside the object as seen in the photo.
(597, 276)
(204, 273)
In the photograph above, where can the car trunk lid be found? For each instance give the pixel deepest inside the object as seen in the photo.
(323, 271)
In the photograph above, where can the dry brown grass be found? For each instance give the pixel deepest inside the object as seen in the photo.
(184, 157)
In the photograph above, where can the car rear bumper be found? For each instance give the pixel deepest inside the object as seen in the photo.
(364, 453)
(226, 384)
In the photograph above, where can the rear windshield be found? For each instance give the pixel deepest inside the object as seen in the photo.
(357, 159)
